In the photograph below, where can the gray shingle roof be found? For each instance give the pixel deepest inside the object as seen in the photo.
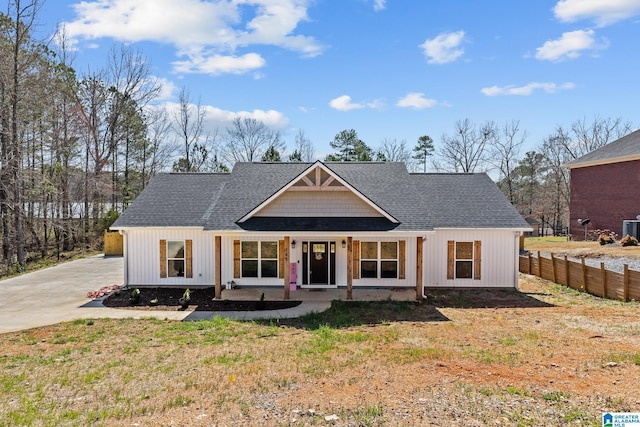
(417, 201)
(623, 149)
(174, 200)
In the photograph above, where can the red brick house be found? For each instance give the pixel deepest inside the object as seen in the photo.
(605, 186)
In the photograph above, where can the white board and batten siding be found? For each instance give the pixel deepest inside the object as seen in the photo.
(499, 257)
(341, 260)
(143, 256)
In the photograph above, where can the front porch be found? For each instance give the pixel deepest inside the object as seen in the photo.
(312, 295)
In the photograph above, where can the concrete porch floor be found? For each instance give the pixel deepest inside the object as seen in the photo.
(320, 295)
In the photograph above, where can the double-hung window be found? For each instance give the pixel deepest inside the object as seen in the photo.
(259, 259)
(379, 260)
(175, 258)
(463, 260)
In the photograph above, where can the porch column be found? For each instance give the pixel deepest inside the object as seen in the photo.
(419, 268)
(349, 268)
(218, 262)
(287, 276)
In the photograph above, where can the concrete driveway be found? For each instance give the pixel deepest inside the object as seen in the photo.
(59, 294)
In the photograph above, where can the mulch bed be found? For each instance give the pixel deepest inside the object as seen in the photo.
(201, 300)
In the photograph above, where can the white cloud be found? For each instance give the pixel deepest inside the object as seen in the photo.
(379, 5)
(343, 103)
(205, 32)
(217, 119)
(569, 46)
(219, 64)
(168, 89)
(602, 12)
(416, 100)
(376, 104)
(444, 48)
(526, 90)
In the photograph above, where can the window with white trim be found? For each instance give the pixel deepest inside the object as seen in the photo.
(379, 260)
(175, 258)
(259, 259)
(464, 260)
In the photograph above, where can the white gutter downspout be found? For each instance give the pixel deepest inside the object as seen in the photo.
(125, 254)
(424, 254)
(516, 240)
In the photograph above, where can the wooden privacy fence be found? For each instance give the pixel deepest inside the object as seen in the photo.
(113, 244)
(577, 275)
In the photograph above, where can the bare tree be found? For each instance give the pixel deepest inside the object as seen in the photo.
(505, 150)
(392, 150)
(584, 137)
(466, 150)
(188, 125)
(247, 139)
(106, 98)
(554, 194)
(304, 151)
(155, 156)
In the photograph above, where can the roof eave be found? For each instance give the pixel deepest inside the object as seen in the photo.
(602, 162)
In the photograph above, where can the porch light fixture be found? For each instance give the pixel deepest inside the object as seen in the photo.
(293, 244)
(344, 244)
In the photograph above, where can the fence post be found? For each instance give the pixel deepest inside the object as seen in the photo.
(539, 265)
(529, 263)
(584, 276)
(603, 275)
(553, 269)
(566, 267)
(626, 283)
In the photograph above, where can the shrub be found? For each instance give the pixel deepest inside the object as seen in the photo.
(629, 241)
(135, 296)
(606, 237)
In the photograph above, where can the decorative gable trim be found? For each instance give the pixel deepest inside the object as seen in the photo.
(303, 183)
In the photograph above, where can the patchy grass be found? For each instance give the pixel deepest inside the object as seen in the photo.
(545, 356)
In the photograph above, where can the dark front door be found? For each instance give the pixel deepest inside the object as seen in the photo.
(318, 263)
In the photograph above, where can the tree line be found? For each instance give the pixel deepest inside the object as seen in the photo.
(536, 181)
(77, 148)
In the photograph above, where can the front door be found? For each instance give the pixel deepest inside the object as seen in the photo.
(318, 263)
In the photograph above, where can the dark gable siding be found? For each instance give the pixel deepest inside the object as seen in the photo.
(606, 194)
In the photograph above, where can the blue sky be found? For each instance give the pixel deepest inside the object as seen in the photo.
(386, 68)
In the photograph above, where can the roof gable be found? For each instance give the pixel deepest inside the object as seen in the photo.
(317, 177)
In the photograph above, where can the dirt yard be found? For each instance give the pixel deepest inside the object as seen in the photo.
(561, 246)
(546, 356)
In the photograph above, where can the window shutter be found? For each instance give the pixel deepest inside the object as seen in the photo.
(163, 258)
(188, 260)
(356, 259)
(236, 259)
(451, 260)
(401, 258)
(477, 245)
(281, 265)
